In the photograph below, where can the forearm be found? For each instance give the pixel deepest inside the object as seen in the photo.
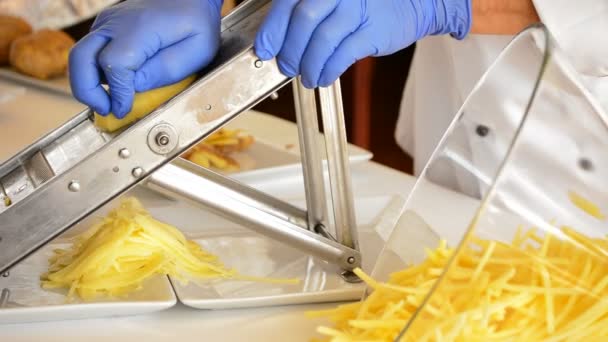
(227, 6)
(503, 17)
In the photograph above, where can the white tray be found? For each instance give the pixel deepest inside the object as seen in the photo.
(28, 302)
(257, 256)
(247, 252)
(59, 85)
(254, 255)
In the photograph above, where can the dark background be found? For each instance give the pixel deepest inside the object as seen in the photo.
(382, 81)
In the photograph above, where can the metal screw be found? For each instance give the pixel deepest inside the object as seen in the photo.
(162, 139)
(74, 186)
(137, 172)
(351, 260)
(208, 107)
(6, 274)
(115, 169)
(585, 164)
(258, 63)
(482, 130)
(274, 96)
(124, 153)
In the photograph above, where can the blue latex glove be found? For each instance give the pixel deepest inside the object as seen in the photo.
(139, 45)
(320, 39)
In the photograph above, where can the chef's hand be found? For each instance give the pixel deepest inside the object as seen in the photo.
(139, 45)
(320, 39)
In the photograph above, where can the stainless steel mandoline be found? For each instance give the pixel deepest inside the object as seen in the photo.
(69, 173)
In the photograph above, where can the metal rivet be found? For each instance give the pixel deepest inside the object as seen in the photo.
(351, 260)
(274, 96)
(208, 107)
(585, 164)
(124, 153)
(162, 139)
(115, 169)
(137, 172)
(258, 63)
(6, 274)
(482, 130)
(74, 186)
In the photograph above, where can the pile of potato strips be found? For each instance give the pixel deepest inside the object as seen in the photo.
(539, 287)
(128, 246)
(215, 150)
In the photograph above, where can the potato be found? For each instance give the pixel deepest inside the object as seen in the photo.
(214, 150)
(124, 249)
(143, 104)
(533, 289)
(42, 54)
(120, 252)
(11, 28)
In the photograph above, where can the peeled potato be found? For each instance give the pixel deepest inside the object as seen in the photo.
(143, 104)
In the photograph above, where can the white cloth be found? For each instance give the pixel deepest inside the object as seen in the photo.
(535, 184)
(444, 70)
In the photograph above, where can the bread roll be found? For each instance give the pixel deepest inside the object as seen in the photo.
(42, 54)
(11, 28)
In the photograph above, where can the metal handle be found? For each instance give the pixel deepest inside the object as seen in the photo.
(250, 208)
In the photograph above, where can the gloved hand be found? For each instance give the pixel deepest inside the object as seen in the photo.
(139, 45)
(320, 39)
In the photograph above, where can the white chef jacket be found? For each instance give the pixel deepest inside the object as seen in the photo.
(444, 71)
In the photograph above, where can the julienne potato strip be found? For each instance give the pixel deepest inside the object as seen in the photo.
(115, 256)
(586, 205)
(538, 288)
(214, 151)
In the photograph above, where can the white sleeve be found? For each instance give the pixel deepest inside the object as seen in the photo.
(580, 29)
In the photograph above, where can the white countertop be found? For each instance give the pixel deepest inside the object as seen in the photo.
(25, 114)
(181, 323)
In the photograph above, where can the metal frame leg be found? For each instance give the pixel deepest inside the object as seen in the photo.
(250, 208)
(312, 166)
(338, 164)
